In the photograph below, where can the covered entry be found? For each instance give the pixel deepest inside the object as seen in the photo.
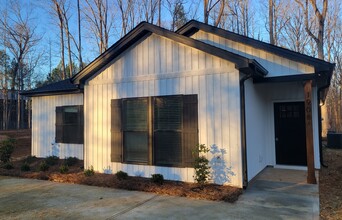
(289, 126)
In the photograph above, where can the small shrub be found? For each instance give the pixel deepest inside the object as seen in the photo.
(89, 171)
(158, 179)
(70, 161)
(64, 169)
(51, 160)
(201, 165)
(121, 175)
(25, 167)
(30, 159)
(8, 166)
(6, 150)
(43, 166)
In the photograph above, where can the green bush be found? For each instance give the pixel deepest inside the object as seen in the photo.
(64, 169)
(201, 165)
(51, 160)
(43, 166)
(25, 167)
(70, 161)
(89, 171)
(6, 150)
(158, 178)
(30, 159)
(8, 166)
(121, 175)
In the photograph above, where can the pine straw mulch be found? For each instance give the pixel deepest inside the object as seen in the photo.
(330, 185)
(76, 175)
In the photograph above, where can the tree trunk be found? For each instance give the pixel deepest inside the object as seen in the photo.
(79, 35)
(270, 20)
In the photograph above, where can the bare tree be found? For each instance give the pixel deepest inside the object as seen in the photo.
(79, 35)
(20, 39)
(100, 22)
(209, 5)
(58, 12)
(126, 9)
(320, 18)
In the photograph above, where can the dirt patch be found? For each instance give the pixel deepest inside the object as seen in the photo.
(23, 142)
(76, 175)
(330, 185)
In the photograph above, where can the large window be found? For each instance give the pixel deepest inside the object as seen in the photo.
(69, 124)
(155, 130)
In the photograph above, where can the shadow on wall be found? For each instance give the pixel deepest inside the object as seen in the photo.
(220, 172)
(55, 149)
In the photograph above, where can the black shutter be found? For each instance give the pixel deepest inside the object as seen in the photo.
(80, 127)
(116, 134)
(59, 125)
(190, 128)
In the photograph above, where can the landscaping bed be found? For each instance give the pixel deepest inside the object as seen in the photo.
(75, 173)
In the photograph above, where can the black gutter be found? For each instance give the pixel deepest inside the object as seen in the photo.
(243, 129)
(321, 160)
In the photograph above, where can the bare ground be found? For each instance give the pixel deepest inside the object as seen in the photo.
(76, 175)
(330, 185)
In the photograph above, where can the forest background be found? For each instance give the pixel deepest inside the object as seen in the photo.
(45, 41)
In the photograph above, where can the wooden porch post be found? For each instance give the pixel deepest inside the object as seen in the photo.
(311, 178)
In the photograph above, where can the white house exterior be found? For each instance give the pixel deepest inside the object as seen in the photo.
(239, 87)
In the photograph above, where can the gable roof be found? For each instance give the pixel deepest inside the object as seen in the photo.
(193, 26)
(144, 29)
(61, 87)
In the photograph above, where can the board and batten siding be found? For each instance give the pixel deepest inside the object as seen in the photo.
(276, 65)
(159, 66)
(260, 99)
(43, 126)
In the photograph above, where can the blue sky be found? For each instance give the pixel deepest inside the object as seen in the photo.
(48, 29)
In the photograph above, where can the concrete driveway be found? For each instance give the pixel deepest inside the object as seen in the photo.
(270, 196)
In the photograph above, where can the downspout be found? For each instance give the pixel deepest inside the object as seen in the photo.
(320, 124)
(243, 129)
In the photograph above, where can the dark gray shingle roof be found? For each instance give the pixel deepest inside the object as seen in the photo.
(61, 87)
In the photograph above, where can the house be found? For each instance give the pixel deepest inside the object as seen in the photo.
(146, 102)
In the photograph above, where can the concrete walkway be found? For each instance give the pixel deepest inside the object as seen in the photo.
(270, 196)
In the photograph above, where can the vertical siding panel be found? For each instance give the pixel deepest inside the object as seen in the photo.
(182, 85)
(140, 59)
(175, 57)
(181, 53)
(201, 60)
(151, 55)
(163, 58)
(210, 109)
(225, 112)
(145, 60)
(169, 56)
(208, 61)
(157, 54)
(145, 88)
(194, 59)
(202, 110)
(188, 58)
(195, 84)
(217, 106)
(188, 85)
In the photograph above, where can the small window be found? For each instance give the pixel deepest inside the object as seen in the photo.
(69, 124)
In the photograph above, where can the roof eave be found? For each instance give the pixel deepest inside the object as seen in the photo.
(193, 26)
(143, 29)
(51, 93)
